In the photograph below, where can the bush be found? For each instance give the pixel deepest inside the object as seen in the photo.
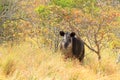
(64, 3)
(8, 65)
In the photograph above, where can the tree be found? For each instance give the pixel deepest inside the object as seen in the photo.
(11, 15)
(8, 10)
(87, 18)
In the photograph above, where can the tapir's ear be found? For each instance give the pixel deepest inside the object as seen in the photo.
(72, 34)
(62, 33)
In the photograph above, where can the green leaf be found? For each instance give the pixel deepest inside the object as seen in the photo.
(64, 3)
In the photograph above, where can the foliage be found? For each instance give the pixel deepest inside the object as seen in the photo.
(11, 16)
(87, 18)
(1, 8)
(88, 6)
(64, 3)
(43, 10)
(8, 32)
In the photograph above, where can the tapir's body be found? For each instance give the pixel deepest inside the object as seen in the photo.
(72, 46)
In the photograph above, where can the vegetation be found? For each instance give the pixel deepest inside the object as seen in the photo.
(29, 39)
(24, 62)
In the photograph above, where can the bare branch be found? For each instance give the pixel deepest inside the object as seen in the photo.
(90, 48)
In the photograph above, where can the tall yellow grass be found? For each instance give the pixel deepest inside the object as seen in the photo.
(24, 62)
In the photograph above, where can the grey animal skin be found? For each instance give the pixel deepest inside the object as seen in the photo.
(72, 46)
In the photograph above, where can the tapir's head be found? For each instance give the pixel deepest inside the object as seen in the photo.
(67, 38)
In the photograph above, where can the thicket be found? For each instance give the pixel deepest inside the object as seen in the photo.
(97, 22)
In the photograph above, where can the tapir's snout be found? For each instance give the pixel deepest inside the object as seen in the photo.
(65, 45)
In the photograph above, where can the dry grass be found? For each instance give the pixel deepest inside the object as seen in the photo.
(24, 62)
